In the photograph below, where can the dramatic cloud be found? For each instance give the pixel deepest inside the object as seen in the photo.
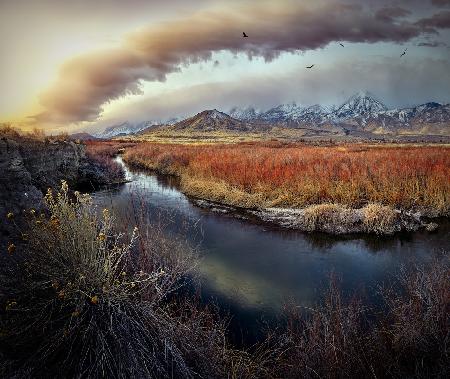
(390, 13)
(89, 81)
(440, 2)
(388, 79)
(439, 20)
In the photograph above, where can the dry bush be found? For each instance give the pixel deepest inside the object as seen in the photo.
(7, 130)
(289, 175)
(317, 217)
(379, 218)
(78, 299)
(409, 337)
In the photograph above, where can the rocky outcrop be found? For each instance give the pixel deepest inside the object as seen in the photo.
(29, 166)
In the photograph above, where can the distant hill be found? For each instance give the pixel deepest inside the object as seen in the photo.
(211, 120)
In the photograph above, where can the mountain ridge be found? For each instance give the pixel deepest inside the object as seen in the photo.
(362, 112)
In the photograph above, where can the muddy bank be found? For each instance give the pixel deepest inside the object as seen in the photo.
(331, 218)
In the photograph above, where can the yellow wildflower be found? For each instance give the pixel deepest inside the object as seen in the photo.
(54, 222)
(10, 216)
(10, 305)
(102, 236)
(94, 299)
(49, 195)
(32, 211)
(11, 248)
(38, 222)
(64, 186)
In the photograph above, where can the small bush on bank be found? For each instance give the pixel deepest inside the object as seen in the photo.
(379, 218)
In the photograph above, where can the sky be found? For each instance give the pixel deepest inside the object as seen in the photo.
(84, 65)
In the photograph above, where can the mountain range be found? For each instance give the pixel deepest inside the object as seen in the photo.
(362, 112)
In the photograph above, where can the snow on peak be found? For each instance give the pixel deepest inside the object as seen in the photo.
(244, 114)
(361, 105)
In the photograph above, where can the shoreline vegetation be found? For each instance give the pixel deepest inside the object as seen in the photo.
(78, 298)
(348, 188)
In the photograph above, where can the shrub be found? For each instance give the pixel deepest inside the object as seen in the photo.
(379, 218)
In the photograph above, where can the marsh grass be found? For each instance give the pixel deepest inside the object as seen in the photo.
(274, 174)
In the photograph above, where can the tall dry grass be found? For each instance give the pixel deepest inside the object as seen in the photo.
(408, 337)
(288, 175)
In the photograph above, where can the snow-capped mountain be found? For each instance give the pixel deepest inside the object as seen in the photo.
(314, 115)
(362, 111)
(126, 128)
(282, 113)
(244, 114)
(362, 106)
(428, 112)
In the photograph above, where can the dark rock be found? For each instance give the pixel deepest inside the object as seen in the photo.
(28, 167)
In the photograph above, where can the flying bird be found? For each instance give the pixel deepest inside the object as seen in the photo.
(244, 35)
(404, 53)
(341, 44)
(310, 66)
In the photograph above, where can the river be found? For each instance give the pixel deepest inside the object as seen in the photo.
(252, 269)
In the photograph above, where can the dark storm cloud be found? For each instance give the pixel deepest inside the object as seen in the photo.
(87, 82)
(439, 20)
(440, 2)
(390, 13)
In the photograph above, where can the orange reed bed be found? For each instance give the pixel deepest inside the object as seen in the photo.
(289, 175)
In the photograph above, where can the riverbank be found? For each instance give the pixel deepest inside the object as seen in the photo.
(343, 189)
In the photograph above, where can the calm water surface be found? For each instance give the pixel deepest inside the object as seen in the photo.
(251, 269)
